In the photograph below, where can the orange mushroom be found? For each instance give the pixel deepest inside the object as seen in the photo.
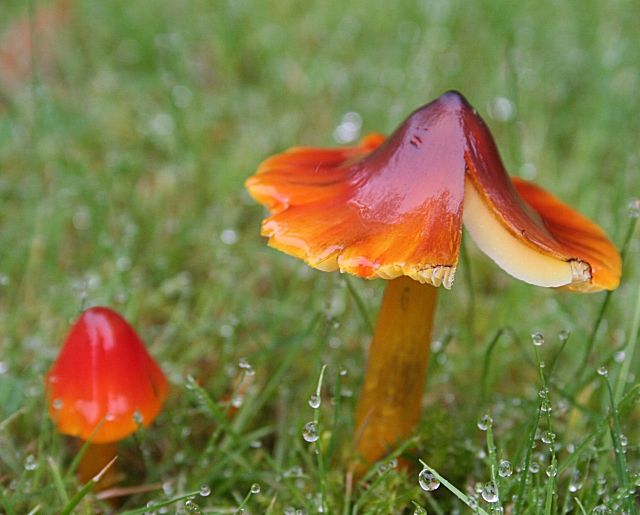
(394, 209)
(103, 384)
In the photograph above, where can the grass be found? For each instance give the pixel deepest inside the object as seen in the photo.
(122, 161)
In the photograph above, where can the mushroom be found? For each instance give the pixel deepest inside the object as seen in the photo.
(103, 385)
(394, 209)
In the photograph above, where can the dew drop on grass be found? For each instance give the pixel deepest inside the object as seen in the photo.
(314, 401)
(619, 356)
(244, 365)
(537, 339)
(191, 506)
(255, 488)
(624, 441)
(505, 469)
(602, 371)
(534, 467)
(490, 492)
(237, 400)
(138, 418)
(30, 462)
(548, 437)
(574, 483)
(310, 432)
(427, 481)
(601, 509)
(564, 335)
(551, 471)
(634, 208)
(485, 422)
(545, 406)
(343, 371)
(205, 491)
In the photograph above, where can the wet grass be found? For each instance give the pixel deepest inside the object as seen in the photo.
(122, 163)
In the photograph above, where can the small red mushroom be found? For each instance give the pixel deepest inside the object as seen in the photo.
(394, 209)
(104, 384)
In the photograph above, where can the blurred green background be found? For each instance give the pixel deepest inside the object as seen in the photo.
(125, 138)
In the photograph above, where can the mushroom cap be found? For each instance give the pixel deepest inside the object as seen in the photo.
(104, 378)
(395, 207)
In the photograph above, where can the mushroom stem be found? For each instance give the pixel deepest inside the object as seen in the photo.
(389, 405)
(96, 457)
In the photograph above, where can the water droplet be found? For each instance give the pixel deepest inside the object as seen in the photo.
(237, 400)
(205, 491)
(181, 96)
(162, 124)
(30, 462)
(191, 506)
(244, 365)
(548, 437)
(419, 510)
(602, 371)
(574, 483)
(436, 346)
(314, 401)
(255, 488)
(289, 510)
(255, 444)
(485, 422)
(490, 492)
(57, 404)
(501, 109)
(167, 488)
(551, 471)
(349, 128)
(624, 441)
(138, 418)
(123, 263)
(633, 208)
(310, 432)
(537, 339)
(534, 467)
(343, 371)
(545, 406)
(229, 237)
(602, 485)
(505, 469)
(564, 335)
(427, 481)
(619, 356)
(601, 509)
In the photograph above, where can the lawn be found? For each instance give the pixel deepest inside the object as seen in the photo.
(124, 146)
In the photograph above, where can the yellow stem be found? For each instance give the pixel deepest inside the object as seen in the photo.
(389, 405)
(94, 460)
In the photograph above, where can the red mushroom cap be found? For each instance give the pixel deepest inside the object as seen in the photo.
(395, 207)
(104, 377)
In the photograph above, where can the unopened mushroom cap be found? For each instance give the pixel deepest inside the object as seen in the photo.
(395, 207)
(104, 378)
